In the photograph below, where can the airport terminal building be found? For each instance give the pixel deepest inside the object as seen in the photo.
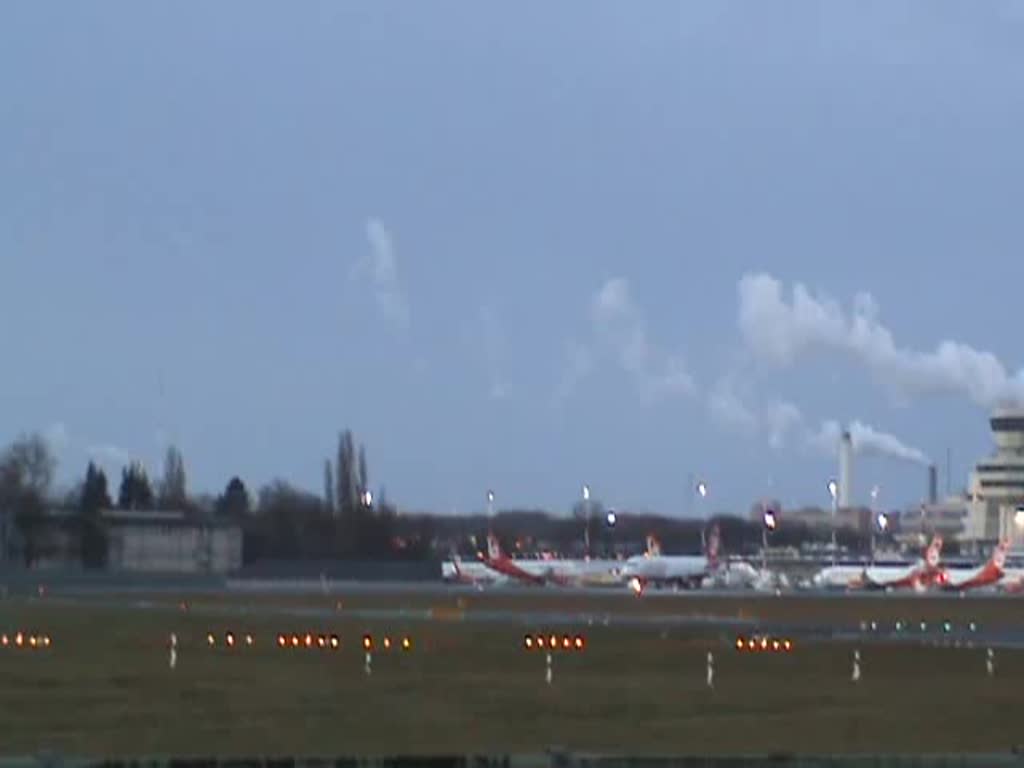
(997, 484)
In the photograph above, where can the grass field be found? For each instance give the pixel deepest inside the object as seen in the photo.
(104, 687)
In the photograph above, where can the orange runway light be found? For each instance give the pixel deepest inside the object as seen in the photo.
(579, 643)
(229, 638)
(46, 641)
(776, 645)
(210, 640)
(406, 643)
(567, 642)
(282, 641)
(321, 641)
(540, 641)
(552, 642)
(19, 639)
(335, 641)
(387, 643)
(295, 641)
(740, 644)
(764, 643)
(367, 642)
(4, 640)
(787, 644)
(248, 640)
(309, 640)
(527, 642)
(33, 641)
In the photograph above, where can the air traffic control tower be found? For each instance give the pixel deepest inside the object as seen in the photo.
(997, 483)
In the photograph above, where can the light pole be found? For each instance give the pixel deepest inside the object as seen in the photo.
(490, 505)
(874, 506)
(770, 523)
(701, 490)
(586, 523)
(833, 490)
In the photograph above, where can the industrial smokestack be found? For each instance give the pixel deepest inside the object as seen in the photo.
(845, 470)
(933, 485)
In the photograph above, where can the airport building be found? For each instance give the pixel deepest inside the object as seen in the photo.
(151, 541)
(996, 486)
(993, 506)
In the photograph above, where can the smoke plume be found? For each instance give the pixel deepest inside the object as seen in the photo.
(782, 331)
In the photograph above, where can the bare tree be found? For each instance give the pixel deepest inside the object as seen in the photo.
(173, 489)
(26, 473)
(329, 488)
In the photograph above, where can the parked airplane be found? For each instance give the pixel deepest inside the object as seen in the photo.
(988, 574)
(918, 575)
(688, 571)
(566, 573)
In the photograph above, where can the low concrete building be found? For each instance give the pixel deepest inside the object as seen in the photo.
(170, 542)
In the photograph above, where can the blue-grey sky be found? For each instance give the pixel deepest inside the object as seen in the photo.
(520, 245)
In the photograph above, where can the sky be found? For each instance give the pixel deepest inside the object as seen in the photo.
(518, 246)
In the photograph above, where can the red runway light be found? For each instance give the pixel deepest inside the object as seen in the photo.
(367, 642)
(309, 640)
(776, 645)
(229, 638)
(295, 641)
(322, 641)
(567, 642)
(552, 642)
(19, 640)
(33, 641)
(751, 644)
(387, 643)
(579, 643)
(46, 641)
(740, 645)
(335, 641)
(282, 641)
(527, 642)
(4, 640)
(787, 644)
(764, 643)
(540, 641)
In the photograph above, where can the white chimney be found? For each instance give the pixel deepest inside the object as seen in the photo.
(845, 471)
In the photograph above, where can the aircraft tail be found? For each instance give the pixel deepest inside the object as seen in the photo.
(713, 545)
(494, 547)
(653, 546)
(933, 554)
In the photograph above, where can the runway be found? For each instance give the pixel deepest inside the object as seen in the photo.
(534, 615)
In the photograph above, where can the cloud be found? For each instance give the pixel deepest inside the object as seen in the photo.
(493, 343)
(381, 264)
(57, 437)
(776, 420)
(866, 440)
(578, 363)
(779, 421)
(782, 332)
(108, 454)
(620, 331)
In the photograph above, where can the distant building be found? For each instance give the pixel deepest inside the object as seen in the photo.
(997, 484)
(170, 542)
(152, 541)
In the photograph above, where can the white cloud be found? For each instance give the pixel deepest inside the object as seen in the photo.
(783, 331)
(866, 440)
(382, 265)
(776, 420)
(779, 421)
(57, 437)
(577, 366)
(619, 329)
(107, 453)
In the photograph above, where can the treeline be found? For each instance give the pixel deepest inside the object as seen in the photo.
(283, 522)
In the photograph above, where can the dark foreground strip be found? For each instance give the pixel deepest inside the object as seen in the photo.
(552, 759)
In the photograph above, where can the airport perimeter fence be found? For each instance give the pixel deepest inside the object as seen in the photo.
(551, 759)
